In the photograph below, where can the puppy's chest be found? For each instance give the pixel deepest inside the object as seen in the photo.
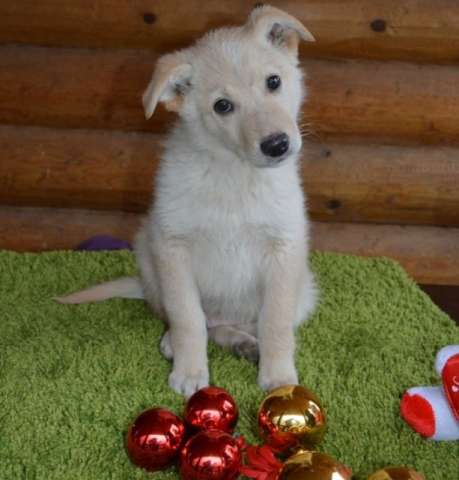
(231, 214)
(229, 231)
(228, 251)
(230, 219)
(227, 235)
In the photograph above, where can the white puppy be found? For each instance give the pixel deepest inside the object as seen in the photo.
(223, 252)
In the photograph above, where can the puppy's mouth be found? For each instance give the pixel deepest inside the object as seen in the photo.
(274, 162)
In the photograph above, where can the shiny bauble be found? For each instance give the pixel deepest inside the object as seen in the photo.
(154, 439)
(310, 465)
(211, 408)
(210, 455)
(396, 473)
(291, 416)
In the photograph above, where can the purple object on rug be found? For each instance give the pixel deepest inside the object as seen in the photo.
(103, 242)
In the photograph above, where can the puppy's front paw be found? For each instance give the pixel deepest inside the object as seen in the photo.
(268, 380)
(187, 383)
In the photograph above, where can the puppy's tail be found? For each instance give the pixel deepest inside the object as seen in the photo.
(124, 287)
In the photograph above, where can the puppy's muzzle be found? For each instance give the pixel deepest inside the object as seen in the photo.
(275, 145)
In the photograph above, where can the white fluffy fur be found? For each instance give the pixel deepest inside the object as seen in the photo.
(223, 251)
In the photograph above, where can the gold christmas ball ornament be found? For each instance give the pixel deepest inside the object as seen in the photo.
(310, 465)
(396, 473)
(291, 416)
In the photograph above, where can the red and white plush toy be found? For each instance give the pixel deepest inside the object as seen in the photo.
(433, 412)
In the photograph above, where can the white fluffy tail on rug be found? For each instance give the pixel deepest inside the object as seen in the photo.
(124, 287)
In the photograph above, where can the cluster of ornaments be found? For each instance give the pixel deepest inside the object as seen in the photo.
(202, 442)
(291, 420)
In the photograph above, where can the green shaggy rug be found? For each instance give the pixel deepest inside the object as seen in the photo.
(72, 378)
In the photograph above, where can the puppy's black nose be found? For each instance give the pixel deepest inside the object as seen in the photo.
(275, 145)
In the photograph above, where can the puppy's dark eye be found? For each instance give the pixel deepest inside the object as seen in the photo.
(273, 82)
(223, 106)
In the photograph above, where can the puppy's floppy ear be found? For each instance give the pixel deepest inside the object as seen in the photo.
(269, 24)
(170, 81)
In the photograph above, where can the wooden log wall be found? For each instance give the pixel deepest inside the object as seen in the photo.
(381, 169)
(101, 89)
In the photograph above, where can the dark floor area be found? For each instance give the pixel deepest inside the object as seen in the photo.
(446, 297)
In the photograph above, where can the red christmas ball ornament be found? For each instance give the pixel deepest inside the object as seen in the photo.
(211, 455)
(211, 408)
(154, 439)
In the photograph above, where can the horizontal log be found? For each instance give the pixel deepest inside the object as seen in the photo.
(114, 170)
(76, 88)
(41, 229)
(384, 101)
(425, 30)
(382, 183)
(429, 254)
(93, 169)
(102, 89)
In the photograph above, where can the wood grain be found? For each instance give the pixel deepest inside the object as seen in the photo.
(383, 100)
(40, 229)
(426, 30)
(115, 170)
(77, 168)
(77, 88)
(374, 183)
(429, 254)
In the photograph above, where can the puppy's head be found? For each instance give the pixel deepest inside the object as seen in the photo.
(240, 87)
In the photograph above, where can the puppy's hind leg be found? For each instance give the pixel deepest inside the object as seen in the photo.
(243, 344)
(151, 288)
(166, 347)
(148, 275)
(309, 298)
